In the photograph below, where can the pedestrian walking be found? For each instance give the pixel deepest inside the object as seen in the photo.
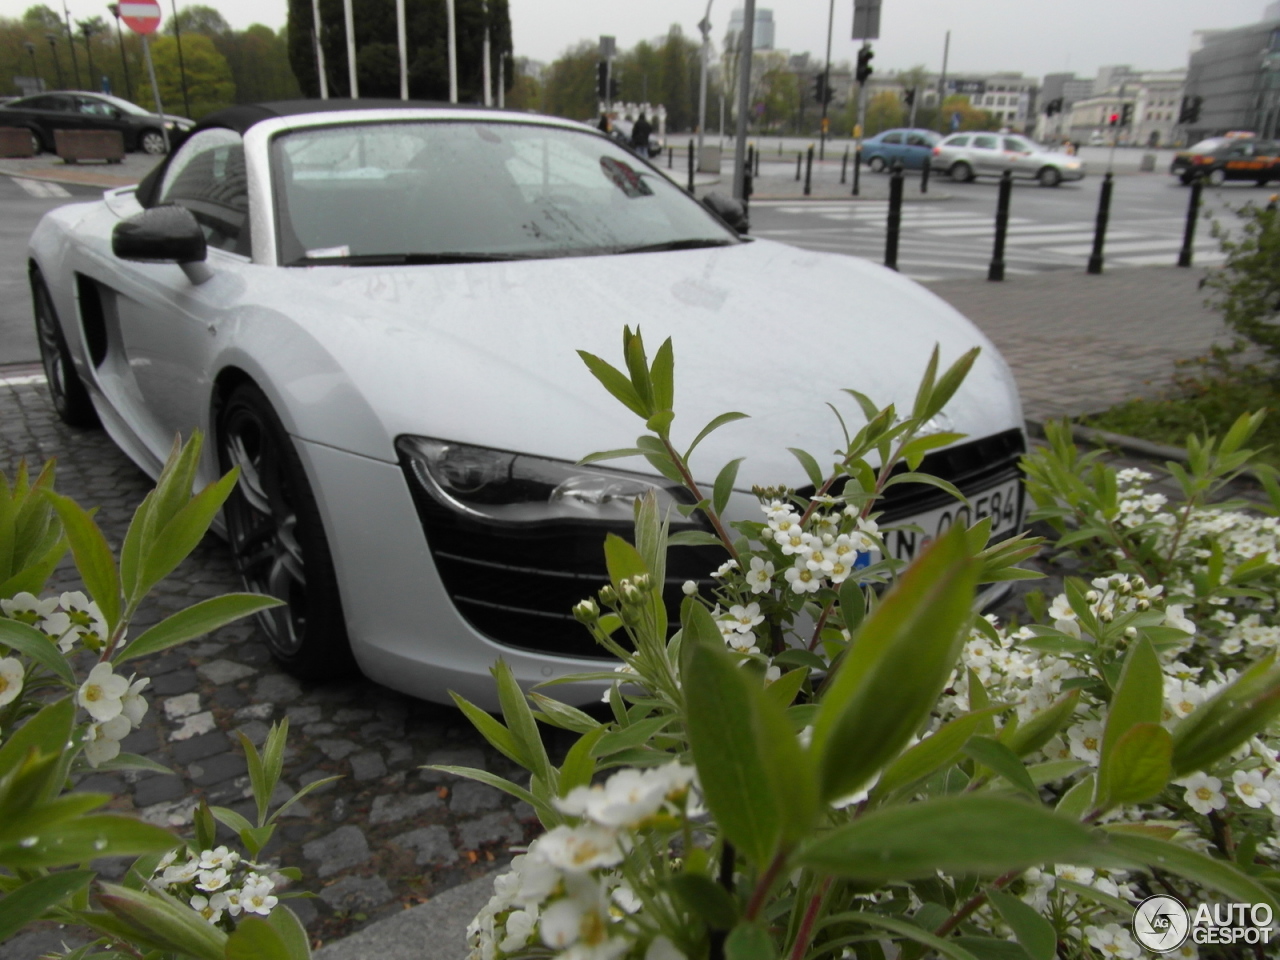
(640, 134)
(604, 126)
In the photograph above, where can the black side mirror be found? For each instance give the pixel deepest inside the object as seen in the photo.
(729, 211)
(165, 234)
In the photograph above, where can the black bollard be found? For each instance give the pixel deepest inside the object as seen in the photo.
(844, 164)
(1193, 211)
(996, 270)
(691, 166)
(671, 157)
(751, 158)
(857, 165)
(1100, 231)
(747, 189)
(799, 160)
(895, 217)
(924, 175)
(808, 172)
(758, 152)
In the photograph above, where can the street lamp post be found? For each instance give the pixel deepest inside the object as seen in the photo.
(124, 61)
(53, 49)
(182, 65)
(31, 51)
(746, 41)
(705, 26)
(86, 29)
(71, 42)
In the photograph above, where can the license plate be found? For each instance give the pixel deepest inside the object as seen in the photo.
(1003, 503)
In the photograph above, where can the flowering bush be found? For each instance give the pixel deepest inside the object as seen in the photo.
(832, 754)
(66, 703)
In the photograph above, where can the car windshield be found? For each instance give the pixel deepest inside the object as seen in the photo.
(1208, 146)
(443, 191)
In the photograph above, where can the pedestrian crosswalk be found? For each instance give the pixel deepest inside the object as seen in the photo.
(40, 188)
(938, 243)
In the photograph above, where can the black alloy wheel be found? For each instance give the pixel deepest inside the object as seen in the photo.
(961, 172)
(70, 399)
(277, 539)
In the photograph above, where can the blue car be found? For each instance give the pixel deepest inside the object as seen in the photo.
(910, 146)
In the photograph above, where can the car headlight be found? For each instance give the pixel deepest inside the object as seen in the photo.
(502, 487)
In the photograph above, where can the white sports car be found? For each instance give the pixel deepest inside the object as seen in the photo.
(373, 310)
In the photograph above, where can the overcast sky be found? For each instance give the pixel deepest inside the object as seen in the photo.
(1031, 36)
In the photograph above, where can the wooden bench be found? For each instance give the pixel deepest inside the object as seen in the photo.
(16, 142)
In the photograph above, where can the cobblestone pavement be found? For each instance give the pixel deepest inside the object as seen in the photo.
(385, 836)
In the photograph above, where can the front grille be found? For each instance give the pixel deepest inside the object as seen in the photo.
(518, 585)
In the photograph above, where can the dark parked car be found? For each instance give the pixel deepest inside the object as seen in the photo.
(908, 145)
(1220, 159)
(77, 110)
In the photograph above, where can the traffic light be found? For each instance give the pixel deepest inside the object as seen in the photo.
(602, 80)
(1190, 111)
(613, 89)
(1052, 107)
(1126, 114)
(1113, 120)
(865, 54)
(820, 88)
(909, 96)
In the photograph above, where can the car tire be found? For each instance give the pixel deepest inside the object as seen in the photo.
(1185, 179)
(277, 539)
(1216, 178)
(152, 142)
(961, 172)
(1049, 177)
(37, 144)
(70, 398)
(876, 164)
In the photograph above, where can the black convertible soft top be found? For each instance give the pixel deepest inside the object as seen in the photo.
(243, 116)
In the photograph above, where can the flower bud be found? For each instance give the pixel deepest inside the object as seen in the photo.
(642, 581)
(1091, 596)
(1130, 632)
(608, 596)
(1143, 604)
(587, 611)
(630, 593)
(690, 588)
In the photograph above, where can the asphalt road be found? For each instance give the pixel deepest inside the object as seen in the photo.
(1049, 229)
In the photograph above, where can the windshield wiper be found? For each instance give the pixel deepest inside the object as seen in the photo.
(696, 244)
(406, 259)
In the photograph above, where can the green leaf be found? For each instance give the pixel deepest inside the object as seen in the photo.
(1227, 719)
(783, 690)
(694, 538)
(257, 774)
(228, 817)
(176, 539)
(638, 367)
(611, 454)
(159, 920)
(1140, 766)
(205, 825)
(749, 941)
(928, 480)
(950, 381)
(633, 735)
(1220, 875)
(1075, 802)
(291, 931)
(30, 642)
(1034, 932)
(932, 753)
(662, 376)
(914, 450)
(86, 838)
(133, 761)
(811, 468)
(29, 901)
(1033, 734)
(715, 424)
(1139, 698)
(499, 737)
(615, 382)
(47, 732)
(195, 621)
(907, 929)
(622, 559)
(972, 833)
(136, 538)
(925, 390)
(96, 565)
(757, 781)
(995, 755)
(579, 763)
(549, 816)
(521, 724)
(705, 899)
(891, 677)
(991, 948)
(306, 788)
(562, 715)
(256, 939)
(724, 485)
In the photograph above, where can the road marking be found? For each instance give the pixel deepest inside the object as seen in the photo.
(23, 380)
(1020, 229)
(1201, 258)
(41, 188)
(1171, 243)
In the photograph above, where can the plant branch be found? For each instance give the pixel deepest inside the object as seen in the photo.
(805, 933)
(973, 903)
(765, 883)
(693, 487)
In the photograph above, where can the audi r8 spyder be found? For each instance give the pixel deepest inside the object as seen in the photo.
(372, 309)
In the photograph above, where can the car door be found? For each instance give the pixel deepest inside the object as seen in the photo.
(986, 155)
(1020, 157)
(48, 113)
(916, 149)
(1240, 162)
(168, 325)
(891, 147)
(95, 114)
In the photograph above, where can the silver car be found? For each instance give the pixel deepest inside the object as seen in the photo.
(967, 155)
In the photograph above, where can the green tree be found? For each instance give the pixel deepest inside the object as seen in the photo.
(426, 30)
(209, 83)
(885, 111)
(199, 19)
(526, 89)
(680, 72)
(569, 84)
(778, 95)
(43, 19)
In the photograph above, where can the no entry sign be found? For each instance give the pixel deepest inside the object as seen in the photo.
(140, 16)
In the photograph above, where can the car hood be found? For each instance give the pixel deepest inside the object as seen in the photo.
(485, 353)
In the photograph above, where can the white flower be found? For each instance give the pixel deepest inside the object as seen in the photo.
(1250, 788)
(626, 799)
(1204, 793)
(101, 693)
(519, 925)
(234, 906)
(760, 576)
(662, 949)
(210, 908)
(791, 542)
(256, 896)
(746, 617)
(1069, 871)
(220, 857)
(98, 746)
(689, 588)
(180, 872)
(85, 622)
(1113, 941)
(1173, 618)
(132, 704)
(211, 880)
(579, 924)
(726, 568)
(581, 848)
(1086, 740)
(27, 608)
(801, 578)
(10, 679)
